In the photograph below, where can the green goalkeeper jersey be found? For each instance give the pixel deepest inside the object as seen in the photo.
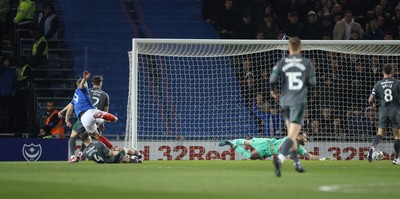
(278, 143)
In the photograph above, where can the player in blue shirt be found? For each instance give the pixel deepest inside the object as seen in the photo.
(87, 113)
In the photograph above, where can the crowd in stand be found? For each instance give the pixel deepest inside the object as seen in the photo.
(337, 108)
(20, 22)
(306, 19)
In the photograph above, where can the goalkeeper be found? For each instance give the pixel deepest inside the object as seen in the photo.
(267, 147)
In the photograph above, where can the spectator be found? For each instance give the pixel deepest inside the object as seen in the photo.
(307, 6)
(374, 32)
(328, 7)
(355, 123)
(378, 11)
(337, 10)
(395, 23)
(386, 7)
(209, 10)
(294, 28)
(359, 9)
(48, 22)
(268, 27)
(4, 10)
(22, 96)
(337, 18)
(25, 13)
(227, 20)
(244, 29)
(261, 110)
(327, 124)
(260, 35)
(355, 35)
(53, 125)
(256, 10)
(383, 24)
(39, 49)
(268, 11)
(388, 36)
(277, 122)
(8, 85)
(327, 26)
(369, 123)
(312, 29)
(343, 28)
(373, 71)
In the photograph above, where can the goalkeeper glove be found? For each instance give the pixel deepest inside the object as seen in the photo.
(325, 159)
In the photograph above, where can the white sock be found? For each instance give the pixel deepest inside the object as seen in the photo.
(281, 157)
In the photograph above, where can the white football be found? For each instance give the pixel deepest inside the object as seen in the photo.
(377, 155)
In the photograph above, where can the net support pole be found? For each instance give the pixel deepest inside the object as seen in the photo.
(134, 91)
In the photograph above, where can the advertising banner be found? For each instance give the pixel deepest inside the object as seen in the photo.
(19, 149)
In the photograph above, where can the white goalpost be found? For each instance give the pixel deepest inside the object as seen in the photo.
(187, 95)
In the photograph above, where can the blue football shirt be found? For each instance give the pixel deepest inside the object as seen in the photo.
(82, 101)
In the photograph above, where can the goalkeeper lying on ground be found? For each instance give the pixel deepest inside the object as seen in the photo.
(267, 147)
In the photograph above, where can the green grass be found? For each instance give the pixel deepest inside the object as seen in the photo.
(198, 179)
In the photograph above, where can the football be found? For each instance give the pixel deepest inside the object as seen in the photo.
(377, 155)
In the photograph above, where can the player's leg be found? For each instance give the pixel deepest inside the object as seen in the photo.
(102, 139)
(242, 151)
(383, 123)
(134, 152)
(240, 142)
(396, 145)
(90, 126)
(72, 146)
(107, 117)
(295, 116)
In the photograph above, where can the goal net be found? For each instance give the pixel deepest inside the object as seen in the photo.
(186, 96)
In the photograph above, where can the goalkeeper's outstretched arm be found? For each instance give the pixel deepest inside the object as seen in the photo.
(316, 157)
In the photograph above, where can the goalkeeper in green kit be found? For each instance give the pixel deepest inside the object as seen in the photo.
(267, 147)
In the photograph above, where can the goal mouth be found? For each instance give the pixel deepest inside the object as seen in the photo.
(207, 91)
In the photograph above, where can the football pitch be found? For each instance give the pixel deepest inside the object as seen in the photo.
(199, 179)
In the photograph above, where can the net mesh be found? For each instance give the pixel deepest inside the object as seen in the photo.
(213, 91)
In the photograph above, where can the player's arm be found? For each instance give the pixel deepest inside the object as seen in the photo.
(273, 79)
(311, 156)
(85, 77)
(113, 153)
(107, 103)
(371, 100)
(273, 82)
(372, 97)
(68, 115)
(60, 113)
(311, 81)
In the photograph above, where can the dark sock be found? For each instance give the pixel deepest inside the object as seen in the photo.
(295, 157)
(376, 141)
(72, 145)
(105, 141)
(286, 146)
(396, 148)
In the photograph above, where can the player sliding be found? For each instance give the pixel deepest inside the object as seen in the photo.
(99, 153)
(87, 113)
(387, 92)
(297, 73)
(267, 147)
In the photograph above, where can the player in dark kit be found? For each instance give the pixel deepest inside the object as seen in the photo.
(88, 116)
(99, 153)
(388, 93)
(297, 74)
